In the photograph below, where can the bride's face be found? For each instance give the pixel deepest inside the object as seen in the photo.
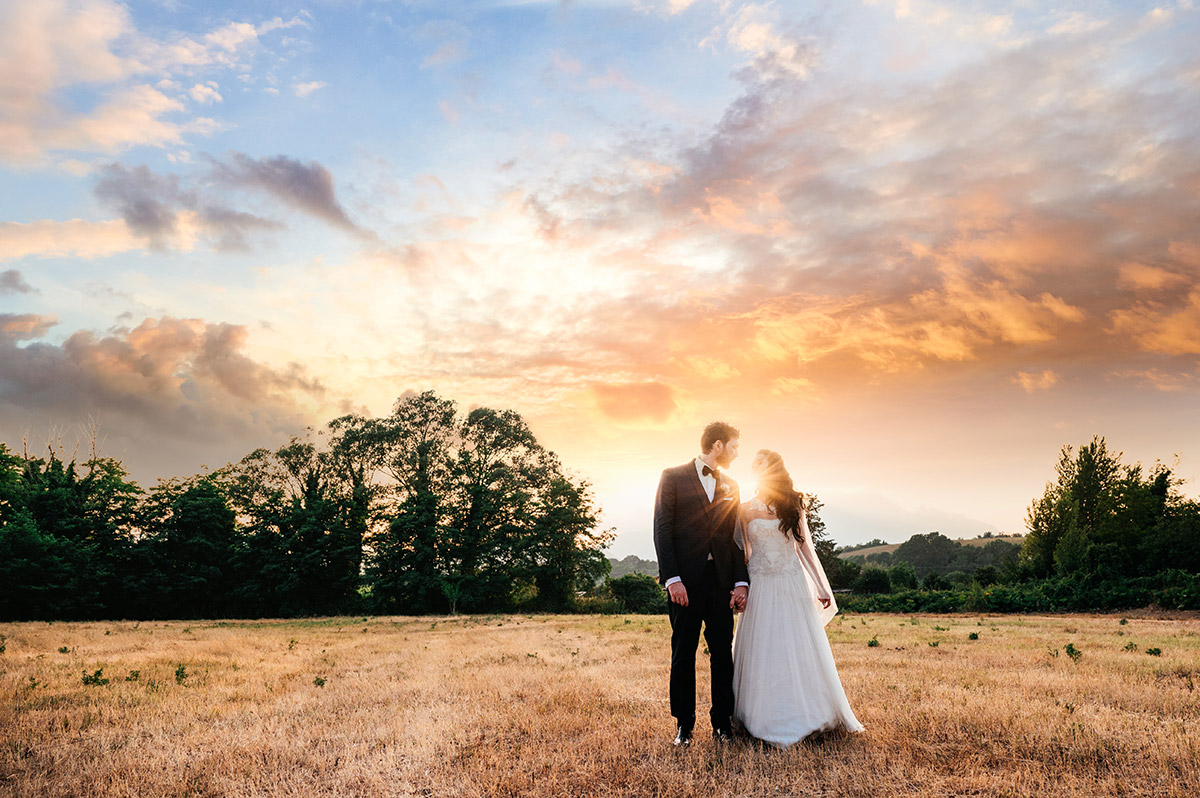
(758, 465)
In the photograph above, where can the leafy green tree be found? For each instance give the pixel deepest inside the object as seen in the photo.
(872, 580)
(902, 577)
(564, 553)
(36, 572)
(194, 547)
(1098, 514)
(928, 553)
(407, 566)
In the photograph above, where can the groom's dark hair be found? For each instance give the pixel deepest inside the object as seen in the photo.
(717, 431)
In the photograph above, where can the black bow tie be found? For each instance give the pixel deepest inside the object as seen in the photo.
(708, 471)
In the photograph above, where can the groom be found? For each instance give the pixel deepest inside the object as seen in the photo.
(695, 513)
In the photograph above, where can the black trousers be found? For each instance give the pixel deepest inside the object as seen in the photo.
(708, 605)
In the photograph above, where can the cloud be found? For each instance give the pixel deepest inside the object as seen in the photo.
(78, 76)
(1140, 277)
(1030, 204)
(25, 326)
(205, 93)
(1032, 381)
(650, 401)
(168, 378)
(1166, 329)
(447, 53)
(307, 187)
(167, 215)
(305, 89)
(75, 238)
(12, 282)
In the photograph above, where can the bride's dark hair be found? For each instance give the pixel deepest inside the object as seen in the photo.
(775, 488)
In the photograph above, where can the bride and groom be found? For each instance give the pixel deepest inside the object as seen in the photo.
(717, 555)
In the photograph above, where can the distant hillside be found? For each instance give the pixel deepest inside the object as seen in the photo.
(890, 548)
(633, 565)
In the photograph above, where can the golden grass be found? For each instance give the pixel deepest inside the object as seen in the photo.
(577, 705)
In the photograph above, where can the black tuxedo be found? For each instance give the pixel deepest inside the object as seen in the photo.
(687, 529)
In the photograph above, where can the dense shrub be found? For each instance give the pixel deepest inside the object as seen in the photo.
(1175, 590)
(638, 593)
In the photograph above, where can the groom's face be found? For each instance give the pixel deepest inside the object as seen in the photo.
(726, 452)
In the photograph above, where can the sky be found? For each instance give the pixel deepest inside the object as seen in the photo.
(915, 247)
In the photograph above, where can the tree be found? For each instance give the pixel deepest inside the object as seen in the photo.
(406, 567)
(195, 546)
(928, 553)
(902, 576)
(1098, 515)
(872, 580)
(565, 549)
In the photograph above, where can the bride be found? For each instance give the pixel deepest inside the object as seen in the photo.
(785, 683)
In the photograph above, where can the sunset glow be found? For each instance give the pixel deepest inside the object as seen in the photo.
(915, 247)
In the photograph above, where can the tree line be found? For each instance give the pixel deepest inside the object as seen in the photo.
(1103, 535)
(424, 510)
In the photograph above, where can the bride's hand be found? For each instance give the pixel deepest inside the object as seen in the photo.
(825, 602)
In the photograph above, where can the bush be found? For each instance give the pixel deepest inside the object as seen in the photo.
(638, 593)
(598, 605)
(872, 580)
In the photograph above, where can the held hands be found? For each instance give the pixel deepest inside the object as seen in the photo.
(678, 593)
(737, 598)
(824, 602)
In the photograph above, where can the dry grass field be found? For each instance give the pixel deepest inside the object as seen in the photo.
(576, 705)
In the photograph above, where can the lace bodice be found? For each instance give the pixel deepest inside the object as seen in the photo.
(771, 551)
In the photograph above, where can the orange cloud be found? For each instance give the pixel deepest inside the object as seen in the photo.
(1033, 381)
(1157, 328)
(647, 401)
(73, 238)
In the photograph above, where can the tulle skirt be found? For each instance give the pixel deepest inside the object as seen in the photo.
(785, 683)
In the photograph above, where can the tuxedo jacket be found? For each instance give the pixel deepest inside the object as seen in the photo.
(687, 528)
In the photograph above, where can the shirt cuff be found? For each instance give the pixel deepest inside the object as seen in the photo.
(741, 584)
(672, 581)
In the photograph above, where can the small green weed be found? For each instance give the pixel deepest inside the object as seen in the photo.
(1072, 652)
(1154, 652)
(973, 636)
(319, 681)
(1131, 646)
(181, 674)
(873, 642)
(96, 678)
(133, 676)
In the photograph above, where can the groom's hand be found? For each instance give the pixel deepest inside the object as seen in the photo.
(737, 598)
(678, 593)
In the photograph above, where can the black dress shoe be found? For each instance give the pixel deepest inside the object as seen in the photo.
(683, 736)
(723, 735)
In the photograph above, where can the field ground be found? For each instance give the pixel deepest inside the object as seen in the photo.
(576, 705)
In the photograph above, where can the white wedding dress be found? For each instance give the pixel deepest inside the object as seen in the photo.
(785, 683)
